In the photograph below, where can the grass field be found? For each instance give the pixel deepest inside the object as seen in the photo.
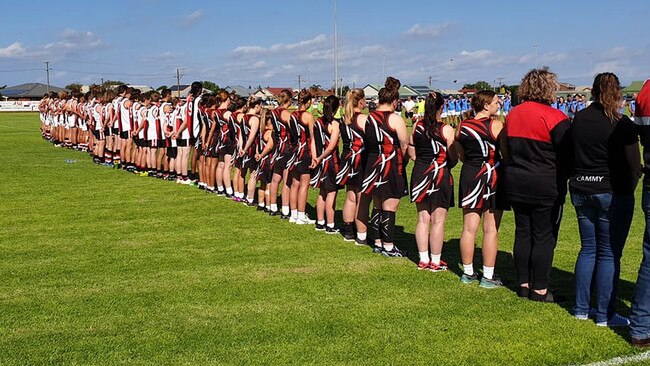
(99, 266)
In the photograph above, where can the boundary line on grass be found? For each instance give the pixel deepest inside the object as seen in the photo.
(622, 360)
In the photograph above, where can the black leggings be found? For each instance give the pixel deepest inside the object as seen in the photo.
(536, 229)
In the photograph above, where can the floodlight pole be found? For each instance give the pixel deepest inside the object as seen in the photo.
(47, 72)
(336, 53)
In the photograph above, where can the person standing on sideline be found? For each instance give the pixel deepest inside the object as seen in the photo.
(477, 143)
(535, 183)
(409, 105)
(384, 179)
(605, 172)
(432, 186)
(640, 315)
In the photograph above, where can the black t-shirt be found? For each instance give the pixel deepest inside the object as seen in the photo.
(599, 160)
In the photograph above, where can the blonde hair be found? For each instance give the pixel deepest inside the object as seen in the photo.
(539, 85)
(352, 99)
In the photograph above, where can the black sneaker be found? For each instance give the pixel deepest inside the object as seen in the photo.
(274, 213)
(331, 230)
(201, 187)
(394, 253)
(285, 217)
(228, 195)
(360, 242)
(221, 193)
(349, 237)
(261, 208)
(320, 227)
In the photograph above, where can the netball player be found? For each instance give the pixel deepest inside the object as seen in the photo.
(353, 159)
(236, 117)
(263, 158)
(281, 154)
(477, 148)
(251, 139)
(431, 147)
(225, 144)
(325, 163)
(301, 129)
(384, 176)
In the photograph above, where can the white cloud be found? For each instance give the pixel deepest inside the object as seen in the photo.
(15, 49)
(191, 19)
(280, 47)
(429, 31)
(73, 40)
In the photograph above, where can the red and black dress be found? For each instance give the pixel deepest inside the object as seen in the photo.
(236, 127)
(224, 134)
(264, 172)
(384, 173)
(248, 161)
(282, 148)
(478, 177)
(431, 179)
(324, 175)
(300, 140)
(353, 156)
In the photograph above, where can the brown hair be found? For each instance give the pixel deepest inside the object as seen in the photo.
(155, 97)
(304, 97)
(221, 97)
(285, 96)
(607, 92)
(480, 99)
(390, 92)
(352, 99)
(538, 85)
(109, 95)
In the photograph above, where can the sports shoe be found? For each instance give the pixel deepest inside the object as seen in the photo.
(423, 265)
(274, 213)
(467, 279)
(349, 237)
(228, 195)
(360, 242)
(591, 314)
(548, 297)
(261, 208)
(331, 230)
(615, 321)
(640, 342)
(143, 174)
(285, 217)
(221, 193)
(376, 249)
(320, 227)
(491, 283)
(293, 219)
(394, 253)
(305, 221)
(442, 266)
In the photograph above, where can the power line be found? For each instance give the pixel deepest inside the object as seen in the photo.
(21, 70)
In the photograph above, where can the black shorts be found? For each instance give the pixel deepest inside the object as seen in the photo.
(161, 143)
(96, 134)
(115, 130)
(182, 142)
(125, 135)
(172, 152)
(108, 131)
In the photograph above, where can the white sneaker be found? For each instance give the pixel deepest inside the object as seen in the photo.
(305, 221)
(293, 220)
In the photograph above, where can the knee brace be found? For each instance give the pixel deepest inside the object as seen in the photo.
(388, 226)
(375, 219)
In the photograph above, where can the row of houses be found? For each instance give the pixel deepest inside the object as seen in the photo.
(35, 91)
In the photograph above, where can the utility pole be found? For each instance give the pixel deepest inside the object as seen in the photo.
(500, 82)
(102, 81)
(178, 82)
(299, 88)
(336, 52)
(47, 71)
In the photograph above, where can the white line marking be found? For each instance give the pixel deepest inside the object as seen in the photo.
(623, 360)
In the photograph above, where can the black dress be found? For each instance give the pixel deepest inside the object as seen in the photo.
(478, 177)
(224, 134)
(431, 179)
(384, 173)
(324, 175)
(282, 149)
(353, 156)
(248, 161)
(299, 136)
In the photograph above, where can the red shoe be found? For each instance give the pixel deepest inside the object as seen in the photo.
(438, 267)
(423, 265)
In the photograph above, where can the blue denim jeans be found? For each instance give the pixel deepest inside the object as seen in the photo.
(640, 316)
(604, 222)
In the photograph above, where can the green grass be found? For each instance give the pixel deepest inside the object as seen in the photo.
(102, 267)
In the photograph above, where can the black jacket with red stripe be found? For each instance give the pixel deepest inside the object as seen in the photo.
(537, 155)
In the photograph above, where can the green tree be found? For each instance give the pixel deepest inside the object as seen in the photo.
(210, 86)
(479, 85)
(110, 84)
(162, 87)
(74, 87)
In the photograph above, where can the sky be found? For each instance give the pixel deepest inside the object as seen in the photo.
(276, 43)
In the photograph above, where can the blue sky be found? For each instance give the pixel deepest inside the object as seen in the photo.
(270, 43)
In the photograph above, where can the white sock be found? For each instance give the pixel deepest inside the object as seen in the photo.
(249, 199)
(220, 188)
(424, 257)
(261, 204)
(361, 236)
(285, 210)
(229, 190)
(330, 225)
(388, 247)
(294, 214)
(488, 272)
(321, 222)
(274, 207)
(468, 269)
(435, 258)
